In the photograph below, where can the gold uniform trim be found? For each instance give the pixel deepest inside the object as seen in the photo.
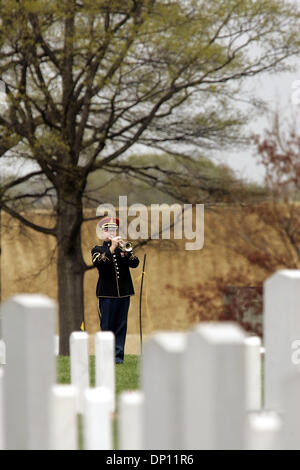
(95, 257)
(101, 256)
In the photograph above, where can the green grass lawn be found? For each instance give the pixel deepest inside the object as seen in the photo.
(127, 378)
(127, 374)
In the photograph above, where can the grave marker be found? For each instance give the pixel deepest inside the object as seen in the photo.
(253, 373)
(281, 331)
(28, 330)
(2, 352)
(130, 424)
(290, 437)
(97, 425)
(263, 431)
(63, 425)
(1, 410)
(162, 386)
(215, 382)
(79, 359)
(105, 362)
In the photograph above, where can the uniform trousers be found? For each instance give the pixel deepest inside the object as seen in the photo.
(113, 314)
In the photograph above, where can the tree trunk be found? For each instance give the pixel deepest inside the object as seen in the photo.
(70, 268)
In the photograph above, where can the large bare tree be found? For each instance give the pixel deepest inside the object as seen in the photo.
(87, 80)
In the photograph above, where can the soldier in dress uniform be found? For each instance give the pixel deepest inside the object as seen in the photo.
(114, 286)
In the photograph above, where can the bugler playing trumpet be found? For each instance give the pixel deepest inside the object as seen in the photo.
(113, 259)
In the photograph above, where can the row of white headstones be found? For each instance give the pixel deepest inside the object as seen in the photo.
(200, 389)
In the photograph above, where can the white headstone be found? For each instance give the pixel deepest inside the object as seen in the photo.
(281, 332)
(162, 385)
(253, 373)
(130, 424)
(97, 419)
(2, 352)
(64, 435)
(56, 345)
(263, 431)
(79, 357)
(290, 437)
(215, 395)
(105, 362)
(1, 410)
(28, 330)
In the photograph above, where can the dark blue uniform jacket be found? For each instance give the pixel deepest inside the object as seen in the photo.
(114, 274)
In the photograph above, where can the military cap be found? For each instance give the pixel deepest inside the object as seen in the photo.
(108, 222)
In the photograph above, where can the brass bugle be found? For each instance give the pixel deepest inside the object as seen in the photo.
(126, 245)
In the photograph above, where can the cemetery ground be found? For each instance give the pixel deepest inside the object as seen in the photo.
(126, 375)
(195, 386)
